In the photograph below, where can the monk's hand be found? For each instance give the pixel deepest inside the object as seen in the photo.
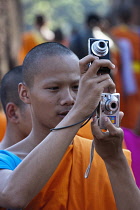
(108, 144)
(84, 63)
(91, 86)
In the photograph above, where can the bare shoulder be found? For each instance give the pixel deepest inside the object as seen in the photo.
(21, 149)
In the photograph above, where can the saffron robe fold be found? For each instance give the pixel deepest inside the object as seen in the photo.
(67, 189)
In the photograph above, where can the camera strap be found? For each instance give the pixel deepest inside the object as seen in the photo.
(90, 162)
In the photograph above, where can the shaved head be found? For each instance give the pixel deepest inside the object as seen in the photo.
(9, 87)
(33, 61)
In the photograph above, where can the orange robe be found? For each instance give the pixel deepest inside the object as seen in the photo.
(68, 189)
(2, 124)
(29, 40)
(130, 104)
(85, 131)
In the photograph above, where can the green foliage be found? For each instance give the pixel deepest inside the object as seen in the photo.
(65, 14)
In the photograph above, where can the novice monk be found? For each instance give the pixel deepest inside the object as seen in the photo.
(46, 170)
(17, 113)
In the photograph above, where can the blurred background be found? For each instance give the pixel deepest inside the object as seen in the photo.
(17, 16)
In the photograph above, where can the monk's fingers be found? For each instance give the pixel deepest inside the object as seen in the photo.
(121, 114)
(97, 64)
(111, 129)
(96, 131)
(107, 83)
(84, 62)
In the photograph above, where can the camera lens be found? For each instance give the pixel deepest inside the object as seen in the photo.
(99, 48)
(111, 105)
(102, 44)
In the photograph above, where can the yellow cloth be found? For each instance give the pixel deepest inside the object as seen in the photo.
(2, 124)
(85, 131)
(68, 189)
(29, 40)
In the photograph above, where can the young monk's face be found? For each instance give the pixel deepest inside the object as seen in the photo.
(55, 88)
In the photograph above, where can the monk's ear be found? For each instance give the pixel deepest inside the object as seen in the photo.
(24, 93)
(12, 112)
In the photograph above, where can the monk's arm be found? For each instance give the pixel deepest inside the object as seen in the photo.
(126, 193)
(109, 146)
(30, 176)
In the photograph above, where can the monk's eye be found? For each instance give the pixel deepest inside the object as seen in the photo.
(53, 88)
(75, 87)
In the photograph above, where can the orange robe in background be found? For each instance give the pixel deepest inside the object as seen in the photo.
(68, 189)
(29, 40)
(130, 104)
(3, 123)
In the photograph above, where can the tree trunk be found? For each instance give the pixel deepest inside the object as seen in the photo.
(10, 30)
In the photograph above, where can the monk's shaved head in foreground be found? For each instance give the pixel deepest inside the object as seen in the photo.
(33, 61)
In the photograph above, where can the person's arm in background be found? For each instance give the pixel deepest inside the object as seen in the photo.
(109, 146)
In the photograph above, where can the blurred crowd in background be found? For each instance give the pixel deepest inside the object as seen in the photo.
(121, 26)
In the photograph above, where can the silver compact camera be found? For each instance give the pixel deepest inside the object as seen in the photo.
(109, 106)
(100, 48)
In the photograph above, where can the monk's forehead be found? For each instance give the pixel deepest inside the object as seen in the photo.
(58, 61)
(57, 58)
